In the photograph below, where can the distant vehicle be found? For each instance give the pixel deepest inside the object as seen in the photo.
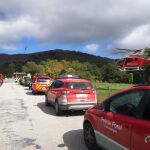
(137, 60)
(33, 78)
(18, 76)
(40, 83)
(16, 79)
(21, 80)
(69, 93)
(121, 122)
(1, 79)
(25, 80)
(1, 76)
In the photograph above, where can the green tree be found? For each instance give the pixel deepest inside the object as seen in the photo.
(111, 73)
(11, 69)
(32, 67)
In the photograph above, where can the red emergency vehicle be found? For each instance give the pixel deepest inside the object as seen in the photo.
(70, 93)
(122, 122)
(40, 83)
(1, 79)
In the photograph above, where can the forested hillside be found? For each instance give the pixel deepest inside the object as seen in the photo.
(55, 62)
(18, 60)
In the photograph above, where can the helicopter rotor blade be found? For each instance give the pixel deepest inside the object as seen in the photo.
(122, 49)
(119, 52)
(132, 50)
(136, 51)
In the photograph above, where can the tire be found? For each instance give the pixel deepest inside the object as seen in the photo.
(34, 92)
(57, 109)
(46, 101)
(89, 137)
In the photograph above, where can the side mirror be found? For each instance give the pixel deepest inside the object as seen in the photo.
(50, 87)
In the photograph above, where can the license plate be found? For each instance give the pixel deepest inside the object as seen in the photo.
(81, 95)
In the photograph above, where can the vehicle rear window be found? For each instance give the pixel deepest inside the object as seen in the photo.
(79, 85)
(43, 79)
(26, 78)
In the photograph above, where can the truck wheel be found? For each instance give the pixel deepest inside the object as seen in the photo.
(57, 109)
(34, 92)
(89, 136)
(46, 101)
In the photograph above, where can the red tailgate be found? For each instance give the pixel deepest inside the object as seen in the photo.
(81, 96)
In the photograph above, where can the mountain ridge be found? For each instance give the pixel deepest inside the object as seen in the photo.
(59, 54)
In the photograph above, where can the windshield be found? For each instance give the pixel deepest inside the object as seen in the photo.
(43, 80)
(129, 60)
(26, 78)
(79, 85)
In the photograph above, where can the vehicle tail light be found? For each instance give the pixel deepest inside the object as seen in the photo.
(65, 92)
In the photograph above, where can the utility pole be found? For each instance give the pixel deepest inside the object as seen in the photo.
(25, 49)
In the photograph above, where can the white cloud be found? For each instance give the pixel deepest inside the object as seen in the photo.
(13, 31)
(8, 47)
(75, 21)
(92, 47)
(138, 38)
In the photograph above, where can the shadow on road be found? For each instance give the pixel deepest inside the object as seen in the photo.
(27, 89)
(29, 93)
(37, 94)
(73, 140)
(50, 110)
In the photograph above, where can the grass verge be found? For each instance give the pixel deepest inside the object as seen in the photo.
(104, 90)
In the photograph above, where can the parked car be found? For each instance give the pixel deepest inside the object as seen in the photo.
(121, 122)
(41, 84)
(24, 80)
(16, 79)
(27, 80)
(20, 80)
(1, 81)
(70, 94)
(1, 76)
(33, 79)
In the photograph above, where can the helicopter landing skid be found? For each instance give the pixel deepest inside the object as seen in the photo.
(131, 69)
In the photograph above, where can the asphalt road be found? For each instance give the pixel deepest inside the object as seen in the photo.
(27, 124)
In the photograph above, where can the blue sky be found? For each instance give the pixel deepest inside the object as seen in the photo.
(91, 26)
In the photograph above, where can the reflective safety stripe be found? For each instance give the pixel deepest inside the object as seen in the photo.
(40, 88)
(37, 86)
(107, 142)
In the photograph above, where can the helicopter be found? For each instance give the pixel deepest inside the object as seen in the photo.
(137, 60)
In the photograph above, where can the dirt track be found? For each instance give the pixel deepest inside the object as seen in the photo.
(27, 124)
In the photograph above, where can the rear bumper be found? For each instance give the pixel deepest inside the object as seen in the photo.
(43, 89)
(77, 106)
(39, 91)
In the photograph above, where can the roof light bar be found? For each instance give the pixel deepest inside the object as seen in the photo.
(65, 76)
